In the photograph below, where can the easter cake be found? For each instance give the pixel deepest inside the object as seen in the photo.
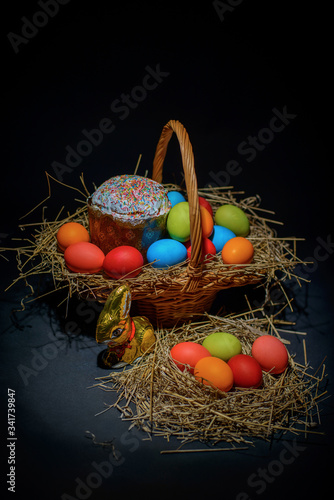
(128, 210)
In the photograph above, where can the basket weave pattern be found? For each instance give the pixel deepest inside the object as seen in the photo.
(186, 290)
(191, 290)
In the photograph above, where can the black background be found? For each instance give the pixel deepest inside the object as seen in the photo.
(222, 79)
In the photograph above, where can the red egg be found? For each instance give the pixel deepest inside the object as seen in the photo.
(270, 353)
(246, 371)
(208, 249)
(188, 353)
(123, 261)
(205, 204)
(84, 257)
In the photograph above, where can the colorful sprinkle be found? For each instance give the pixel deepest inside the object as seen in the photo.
(131, 197)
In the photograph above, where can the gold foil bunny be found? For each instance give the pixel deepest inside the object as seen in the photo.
(127, 338)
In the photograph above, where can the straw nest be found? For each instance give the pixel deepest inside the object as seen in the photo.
(274, 257)
(154, 394)
(158, 398)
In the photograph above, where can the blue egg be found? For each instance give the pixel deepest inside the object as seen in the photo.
(166, 252)
(175, 197)
(220, 235)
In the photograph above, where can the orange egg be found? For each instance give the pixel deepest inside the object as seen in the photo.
(206, 221)
(84, 257)
(214, 372)
(237, 250)
(71, 232)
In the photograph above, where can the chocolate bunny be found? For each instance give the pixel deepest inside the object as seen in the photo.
(127, 338)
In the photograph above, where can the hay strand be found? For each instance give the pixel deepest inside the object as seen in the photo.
(274, 259)
(176, 405)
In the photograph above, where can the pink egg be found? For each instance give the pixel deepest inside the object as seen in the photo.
(188, 353)
(246, 371)
(84, 257)
(270, 353)
(123, 261)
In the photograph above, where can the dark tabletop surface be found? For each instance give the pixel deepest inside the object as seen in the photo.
(251, 83)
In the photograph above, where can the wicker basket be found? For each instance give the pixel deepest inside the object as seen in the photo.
(192, 290)
(182, 292)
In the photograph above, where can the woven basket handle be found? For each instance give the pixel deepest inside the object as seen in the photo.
(195, 265)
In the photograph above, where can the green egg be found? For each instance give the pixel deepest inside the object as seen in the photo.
(233, 218)
(178, 222)
(222, 345)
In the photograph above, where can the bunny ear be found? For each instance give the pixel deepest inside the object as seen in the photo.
(125, 303)
(119, 300)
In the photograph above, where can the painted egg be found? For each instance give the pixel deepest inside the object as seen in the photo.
(205, 204)
(222, 345)
(220, 235)
(84, 257)
(238, 250)
(71, 232)
(175, 197)
(166, 252)
(206, 221)
(270, 353)
(178, 222)
(233, 218)
(123, 261)
(187, 354)
(214, 372)
(246, 371)
(208, 250)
